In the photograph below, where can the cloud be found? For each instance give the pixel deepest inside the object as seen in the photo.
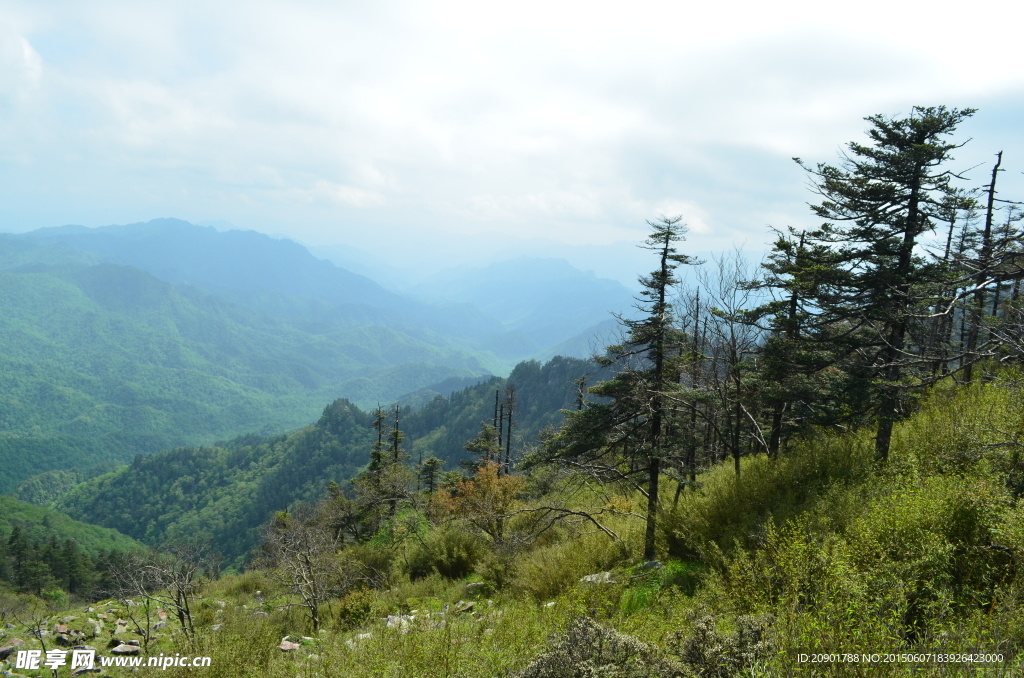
(349, 195)
(550, 119)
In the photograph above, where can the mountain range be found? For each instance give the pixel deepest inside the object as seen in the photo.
(123, 340)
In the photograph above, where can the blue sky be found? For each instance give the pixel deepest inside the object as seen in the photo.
(461, 131)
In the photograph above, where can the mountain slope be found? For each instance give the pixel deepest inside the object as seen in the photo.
(227, 492)
(100, 363)
(246, 267)
(39, 524)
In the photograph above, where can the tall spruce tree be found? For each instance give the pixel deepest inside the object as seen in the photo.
(622, 438)
(877, 204)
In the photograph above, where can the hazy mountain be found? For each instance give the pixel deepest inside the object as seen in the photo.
(259, 271)
(546, 300)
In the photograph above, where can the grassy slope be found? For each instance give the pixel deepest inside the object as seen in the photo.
(822, 551)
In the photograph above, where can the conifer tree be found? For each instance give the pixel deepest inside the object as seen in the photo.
(623, 438)
(877, 204)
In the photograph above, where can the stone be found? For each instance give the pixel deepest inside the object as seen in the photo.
(133, 642)
(216, 627)
(126, 649)
(400, 622)
(473, 586)
(12, 645)
(63, 640)
(159, 625)
(82, 671)
(653, 564)
(599, 578)
(61, 628)
(463, 606)
(288, 646)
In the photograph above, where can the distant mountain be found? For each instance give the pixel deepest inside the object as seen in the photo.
(547, 300)
(251, 268)
(99, 363)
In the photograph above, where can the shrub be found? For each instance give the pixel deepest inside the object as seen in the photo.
(450, 552)
(548, 571)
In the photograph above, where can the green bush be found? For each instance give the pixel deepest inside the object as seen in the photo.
(450, 552)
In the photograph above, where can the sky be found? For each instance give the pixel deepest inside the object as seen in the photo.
(421, 135)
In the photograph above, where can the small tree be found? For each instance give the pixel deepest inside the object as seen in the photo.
(624, 437)
(301, 555)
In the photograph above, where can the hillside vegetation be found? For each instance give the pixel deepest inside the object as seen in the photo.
(228, 491)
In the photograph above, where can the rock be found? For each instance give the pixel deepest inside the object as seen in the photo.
(114, 642)
(216, 627)
(463, 606)
(653, 565)
(63, 640)
(79, 672)
(88, 609)
(111, 611)
(126, 649)
(132, 642)
(473, 586)
(159, 625)
(69, 619)
(288, 646)
(61, 628)
(400, 622)
(599, 578)
(100, 615)
(549, 604)
(12, 645)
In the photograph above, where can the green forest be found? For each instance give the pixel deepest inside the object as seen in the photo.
(807, 465)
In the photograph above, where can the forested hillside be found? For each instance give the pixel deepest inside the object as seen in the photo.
(227, 492)
(100, 363)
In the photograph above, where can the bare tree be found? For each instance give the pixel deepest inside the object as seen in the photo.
(301, 554)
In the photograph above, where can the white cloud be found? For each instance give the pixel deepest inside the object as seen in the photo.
(563, 120)
(349, 195)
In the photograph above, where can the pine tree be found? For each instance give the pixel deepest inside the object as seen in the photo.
(877, 204)
(623, 438)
